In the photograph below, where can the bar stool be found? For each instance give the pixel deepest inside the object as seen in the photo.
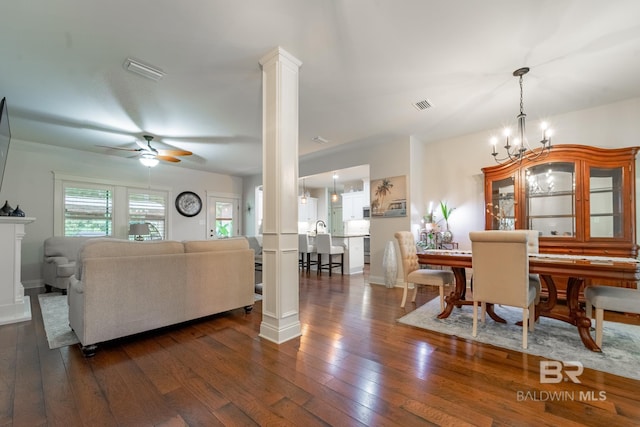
(324, 245)
(305, 249)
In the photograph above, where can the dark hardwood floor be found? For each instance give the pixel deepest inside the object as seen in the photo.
(354, 365)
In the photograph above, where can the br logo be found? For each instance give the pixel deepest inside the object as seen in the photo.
(552, 372)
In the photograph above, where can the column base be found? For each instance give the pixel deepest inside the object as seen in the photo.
(13, 313)
(280, 335)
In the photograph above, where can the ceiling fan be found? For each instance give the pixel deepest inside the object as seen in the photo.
(150, 156)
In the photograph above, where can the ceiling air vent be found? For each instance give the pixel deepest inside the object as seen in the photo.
(319, 140)
(422, 105)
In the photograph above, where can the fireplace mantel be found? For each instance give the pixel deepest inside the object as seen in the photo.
(14, 305)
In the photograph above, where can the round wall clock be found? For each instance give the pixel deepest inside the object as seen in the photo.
(188, 203)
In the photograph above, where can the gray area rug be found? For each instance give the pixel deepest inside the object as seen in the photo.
(55, 315)
(551, 339)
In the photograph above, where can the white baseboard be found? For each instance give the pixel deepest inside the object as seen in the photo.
(379, 280)
(31, 284)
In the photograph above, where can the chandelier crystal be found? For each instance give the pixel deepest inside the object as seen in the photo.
(518, 148)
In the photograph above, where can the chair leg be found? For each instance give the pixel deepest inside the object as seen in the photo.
(525, 327)
(319, 263)
(342, 264)
(330, 264)
(532, 316)
(475, 318)
(404, 294)
(415, 292)
(441, 299)
(308, 262)
(599, 322)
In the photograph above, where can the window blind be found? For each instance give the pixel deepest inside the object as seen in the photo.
(88, 211)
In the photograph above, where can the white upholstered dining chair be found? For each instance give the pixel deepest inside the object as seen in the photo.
(416, 275)
(325, 246)
(611, 298)
(501, 275)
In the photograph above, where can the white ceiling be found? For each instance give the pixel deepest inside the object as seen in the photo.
(364, 63)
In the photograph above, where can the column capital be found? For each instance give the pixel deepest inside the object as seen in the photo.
(279, 53)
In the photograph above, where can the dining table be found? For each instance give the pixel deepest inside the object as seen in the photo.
(575, 268)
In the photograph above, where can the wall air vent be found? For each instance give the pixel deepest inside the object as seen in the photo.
(422, 105)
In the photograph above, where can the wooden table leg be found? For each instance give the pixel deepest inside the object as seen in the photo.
(577, 314)
(457, 297)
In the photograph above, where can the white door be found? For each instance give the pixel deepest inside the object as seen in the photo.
(222, 217)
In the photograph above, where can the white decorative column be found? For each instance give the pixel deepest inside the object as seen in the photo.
(14, 305)
(280, 303)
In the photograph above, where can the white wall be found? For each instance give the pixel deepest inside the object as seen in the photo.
(386, 158)
(454, 165)
(28, 182)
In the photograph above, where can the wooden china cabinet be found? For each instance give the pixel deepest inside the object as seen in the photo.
(581, 199)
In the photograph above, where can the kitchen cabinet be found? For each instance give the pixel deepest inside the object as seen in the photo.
(353, 252)
(352, 204)
(308, 212)
(581, 199)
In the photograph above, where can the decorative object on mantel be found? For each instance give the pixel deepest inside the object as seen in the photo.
(521, 149)
(17, 212)
(6, 210)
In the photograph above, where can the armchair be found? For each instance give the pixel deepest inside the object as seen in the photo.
(60, 254)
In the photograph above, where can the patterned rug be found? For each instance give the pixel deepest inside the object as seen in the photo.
(55, 315)
(551, 339)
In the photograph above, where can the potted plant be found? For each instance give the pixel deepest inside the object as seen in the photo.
(446, 210)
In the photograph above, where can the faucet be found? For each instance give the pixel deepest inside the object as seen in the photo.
(320, 222)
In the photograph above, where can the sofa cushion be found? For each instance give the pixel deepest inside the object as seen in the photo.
(215, 245)
(106, 248)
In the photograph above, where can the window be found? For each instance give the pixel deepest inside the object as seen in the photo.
(151, 208)
(88, 210)
(94, 207)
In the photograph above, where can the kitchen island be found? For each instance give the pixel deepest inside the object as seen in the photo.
(353, 253)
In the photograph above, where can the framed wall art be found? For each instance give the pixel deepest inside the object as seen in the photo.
(389, 197)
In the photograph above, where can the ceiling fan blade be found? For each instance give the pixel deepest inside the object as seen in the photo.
(118, 148)
(174, 152)
(168, 159)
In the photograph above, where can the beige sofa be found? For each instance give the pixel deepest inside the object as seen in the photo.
(122, 287)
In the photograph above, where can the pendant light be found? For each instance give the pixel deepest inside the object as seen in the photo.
(303, 199)
(334, 195)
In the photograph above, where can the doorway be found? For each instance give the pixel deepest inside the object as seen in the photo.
(223, 217)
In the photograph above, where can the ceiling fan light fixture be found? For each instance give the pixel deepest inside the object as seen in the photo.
(149, 160)
(144, 70)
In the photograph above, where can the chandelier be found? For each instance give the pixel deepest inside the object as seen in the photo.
(518, 148)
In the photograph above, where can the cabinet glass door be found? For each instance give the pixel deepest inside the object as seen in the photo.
(502, 206)
(605, 202)
(550, 199)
